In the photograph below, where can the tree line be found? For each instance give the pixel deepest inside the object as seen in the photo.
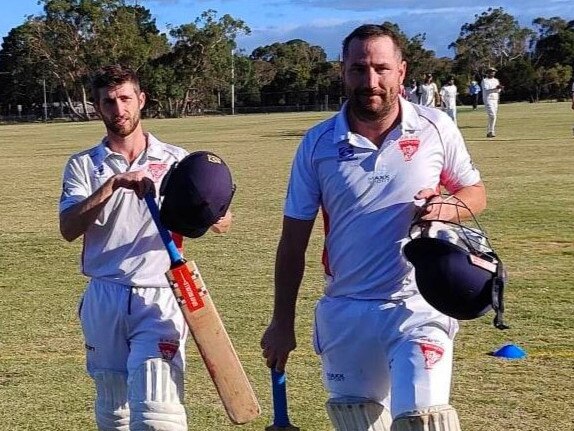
(196, 67)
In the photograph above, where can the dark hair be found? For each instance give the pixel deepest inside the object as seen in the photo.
(368, 31)
(112, 76)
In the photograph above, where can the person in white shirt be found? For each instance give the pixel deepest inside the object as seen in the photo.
(429, 95)
(491, 89)
(134, 331)
(412, 92)
(386, 354)
(448, 95)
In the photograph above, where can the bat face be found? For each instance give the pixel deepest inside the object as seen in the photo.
(188, 286)
(213, 342)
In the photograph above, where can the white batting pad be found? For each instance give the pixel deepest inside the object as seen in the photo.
(438, 418)
(112, 411)
(155, 396)
(356, 414)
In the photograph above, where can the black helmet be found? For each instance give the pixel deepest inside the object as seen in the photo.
(456, 269)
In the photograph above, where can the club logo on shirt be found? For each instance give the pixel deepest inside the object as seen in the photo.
(156, 170)
(346, 153)
(168, 348)
(432, 354)
(409, 147)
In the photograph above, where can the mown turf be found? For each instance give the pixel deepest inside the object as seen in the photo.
(528, 172)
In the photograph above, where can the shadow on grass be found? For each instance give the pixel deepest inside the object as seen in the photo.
(286, 134)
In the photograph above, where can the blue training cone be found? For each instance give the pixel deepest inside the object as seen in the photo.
(509, 351)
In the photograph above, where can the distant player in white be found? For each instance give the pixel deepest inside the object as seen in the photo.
(491, 89)
(412, 92)
(386, 354)
(448, 95)
(429, 95)
(133, 328)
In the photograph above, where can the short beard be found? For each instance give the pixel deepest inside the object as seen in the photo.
(123, 130)
(370, 113)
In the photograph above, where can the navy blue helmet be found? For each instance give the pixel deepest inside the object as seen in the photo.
(197, 191)
(456, 269)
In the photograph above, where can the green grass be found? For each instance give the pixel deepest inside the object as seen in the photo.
(528, 171)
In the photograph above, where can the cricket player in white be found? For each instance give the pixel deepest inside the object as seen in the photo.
(429, 95)
(491, 89)
(448, 95)
(386, 353)
(134, 331)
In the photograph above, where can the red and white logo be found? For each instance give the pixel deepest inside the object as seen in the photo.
(168, 348)
(409, 147)
(432, 354)
(156, 171)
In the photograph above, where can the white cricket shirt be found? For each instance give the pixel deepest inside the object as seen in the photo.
(428, 94)
(448, 96)
(123, 245)
(490, 92)
(367, 194)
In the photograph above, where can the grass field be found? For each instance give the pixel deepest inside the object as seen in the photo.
(529, 174)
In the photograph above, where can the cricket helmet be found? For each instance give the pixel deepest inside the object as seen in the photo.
(197, 191)
(456, 270)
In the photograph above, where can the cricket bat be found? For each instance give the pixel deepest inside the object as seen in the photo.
(207, 330)
(280, 412)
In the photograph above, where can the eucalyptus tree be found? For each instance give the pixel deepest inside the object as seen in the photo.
(73, 37)
(198, 64)
(295, 72)
(494, 39)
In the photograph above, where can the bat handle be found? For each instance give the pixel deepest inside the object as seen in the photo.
(174, 254)
(279, 387)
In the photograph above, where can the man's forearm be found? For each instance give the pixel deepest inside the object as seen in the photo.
(289, 271)
(473, 197)
(76, 220)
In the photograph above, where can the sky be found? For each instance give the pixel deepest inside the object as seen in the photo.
(325, 22)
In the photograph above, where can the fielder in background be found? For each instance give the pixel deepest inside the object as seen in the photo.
(412, 92)
(491, 89)
(474, 91)
(448, 94)
(429, 95)
(134, 331)
(386, 354)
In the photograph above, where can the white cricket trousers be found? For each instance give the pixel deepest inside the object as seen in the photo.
(491, 107)
(124, 326)
(398, 353)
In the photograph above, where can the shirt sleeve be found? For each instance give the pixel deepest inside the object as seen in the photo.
(458, 170)
(75, 185)
(303, 191)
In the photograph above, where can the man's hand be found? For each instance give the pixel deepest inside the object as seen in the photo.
(433, 208)
(223, 225)
(136, 181)
(277, 342)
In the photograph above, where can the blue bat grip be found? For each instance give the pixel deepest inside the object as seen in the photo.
(279, 387)
(174, 254)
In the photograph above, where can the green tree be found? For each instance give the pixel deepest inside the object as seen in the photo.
(555, 42)
(73, 37)
(201, 62)
(296, 72)
(493, 39)
(19, 70)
